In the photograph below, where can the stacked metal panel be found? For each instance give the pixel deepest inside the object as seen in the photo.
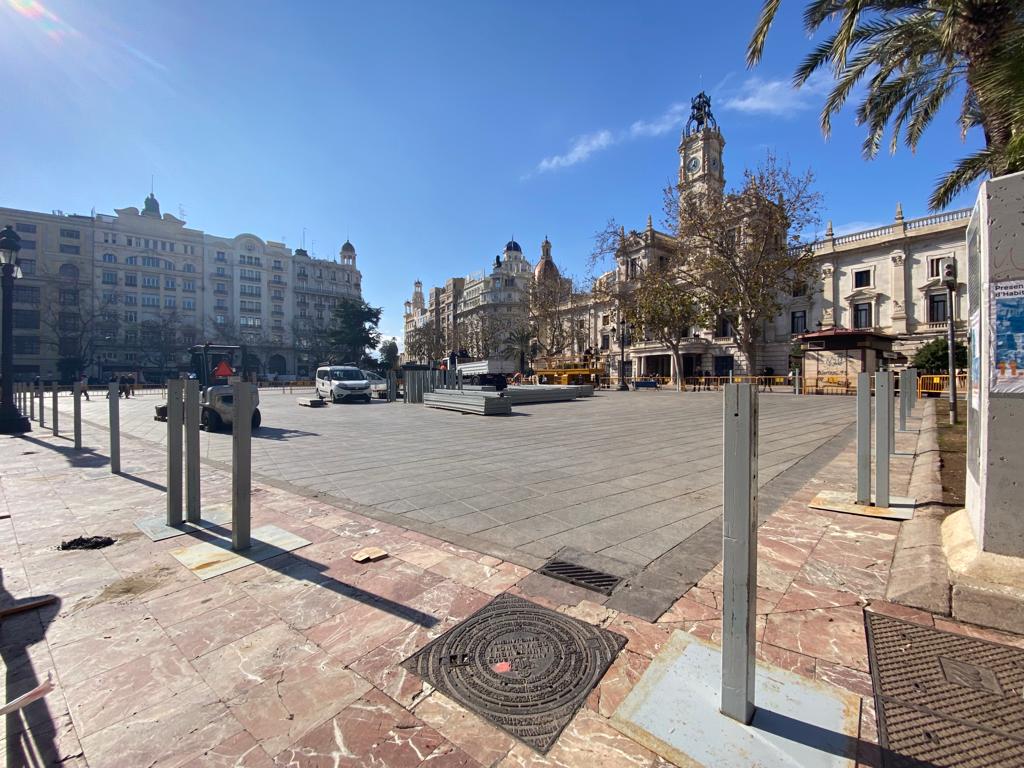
(466, 401)
(539, 394)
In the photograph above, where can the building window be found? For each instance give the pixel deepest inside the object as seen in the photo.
(188, 285)
(937, 308)
(935, 267)
(169, 283)
(131, 299)
(220, 319)
(604, 341)
(131, 280)
(221, 256)
(30, 228)
(189, 268)
(28, 266)
(250, 322)
(131, 260)
(249, 274)
(26, 318)
(28, 245)
(109, 258)
(27, 294)
(150, 281)
(170, 302)
(70, 234)
(169, 265)
(26, 345)
(724, 328)
(72, 249)
(277, 264)
(862, 315)
(149, 300)
(109, 297)
(798, 321)
(799, 289)
(150, 261)
(188, 303)
(68, 270)
(250, 290)
(109, 277)
(68, 297)
(69, 321)
(130, 316)
(862, 278)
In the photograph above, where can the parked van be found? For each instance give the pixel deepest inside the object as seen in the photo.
(341, 382)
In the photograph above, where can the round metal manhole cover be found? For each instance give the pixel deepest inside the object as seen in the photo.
(524, 668)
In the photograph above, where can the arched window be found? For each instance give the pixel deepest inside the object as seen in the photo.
(109, 258)
(68, 270)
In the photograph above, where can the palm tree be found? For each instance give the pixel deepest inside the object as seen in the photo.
(915, 55)
(520, 342)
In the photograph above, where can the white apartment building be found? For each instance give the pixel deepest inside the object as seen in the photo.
(130, 292)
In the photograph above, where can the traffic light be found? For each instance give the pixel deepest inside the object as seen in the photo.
(949, 273)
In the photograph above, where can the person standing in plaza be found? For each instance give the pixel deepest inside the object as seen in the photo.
(84, 381)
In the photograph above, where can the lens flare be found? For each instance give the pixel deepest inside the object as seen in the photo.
(49, 23)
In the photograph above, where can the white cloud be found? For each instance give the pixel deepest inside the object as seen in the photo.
(672, 118)
(778, 97)
(582, 148)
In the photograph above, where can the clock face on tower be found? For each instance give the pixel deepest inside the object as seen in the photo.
(693, 164)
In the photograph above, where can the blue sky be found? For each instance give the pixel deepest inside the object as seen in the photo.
(429, 133)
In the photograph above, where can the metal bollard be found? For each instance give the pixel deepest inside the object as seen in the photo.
(77, 389)
(42, 405)
(913, 387)
(53, 390)
(904, 399)
(892, 413)
(174, 419)
(241, 467)
(30, 393)
(863, 438)
(883, 436)
(113, 408)
(739, 550)
(192, 413)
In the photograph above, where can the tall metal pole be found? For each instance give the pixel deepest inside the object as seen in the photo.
(12, 422)
(113, 406)
(883, 420)
(951, 330)
(739, 551)
(56, 416)
(192, 412)
(864, 438)
(174, 419)
(241, 467)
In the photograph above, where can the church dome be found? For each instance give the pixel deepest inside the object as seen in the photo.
(347, 247)
(546, 270)
(512, 245)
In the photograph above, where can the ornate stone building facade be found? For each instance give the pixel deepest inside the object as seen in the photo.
(130, 292)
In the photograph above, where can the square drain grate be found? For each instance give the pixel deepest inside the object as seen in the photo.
(581, 576)
(520, 666)
(945, 699)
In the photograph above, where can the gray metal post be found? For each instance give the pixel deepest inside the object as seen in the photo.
(174, 419)
(892, 413)
(31, 402)
(78, 414)
(864, 438)
(458, 378)
(739, 551)
(42, 405)
(241, 466)
(913, 387)
(883, 418)
(113, 406)
(192, 412)
(904, 398)
(53, 389)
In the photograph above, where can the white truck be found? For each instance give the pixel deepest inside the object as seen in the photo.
(494, 371)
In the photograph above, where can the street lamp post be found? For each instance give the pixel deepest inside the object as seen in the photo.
(12, 422)
(623, 386)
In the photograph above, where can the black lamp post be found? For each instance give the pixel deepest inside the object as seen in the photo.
(623, 386)
(12, 422)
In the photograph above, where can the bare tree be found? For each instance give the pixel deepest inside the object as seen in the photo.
(78, 328)
(424, 343)
(742, 252)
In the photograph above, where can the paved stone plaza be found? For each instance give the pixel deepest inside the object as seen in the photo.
(634, 477)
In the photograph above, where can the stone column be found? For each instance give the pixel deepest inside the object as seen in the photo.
(898, 292)
(829, 316)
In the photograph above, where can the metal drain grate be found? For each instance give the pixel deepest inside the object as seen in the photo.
(581, 576)
(945, 699)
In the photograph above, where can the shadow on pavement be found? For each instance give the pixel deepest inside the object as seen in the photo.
(31, 732)
(283, 561)
(84, 458)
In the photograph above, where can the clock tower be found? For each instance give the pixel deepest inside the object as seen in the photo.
(700, 150)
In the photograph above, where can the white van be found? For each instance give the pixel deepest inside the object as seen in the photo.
(341, 382)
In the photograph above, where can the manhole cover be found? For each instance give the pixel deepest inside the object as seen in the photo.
(520, 666)
(944, 699)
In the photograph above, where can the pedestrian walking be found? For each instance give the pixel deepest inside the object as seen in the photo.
(131, 385)
(766, 379)
(84, 381)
